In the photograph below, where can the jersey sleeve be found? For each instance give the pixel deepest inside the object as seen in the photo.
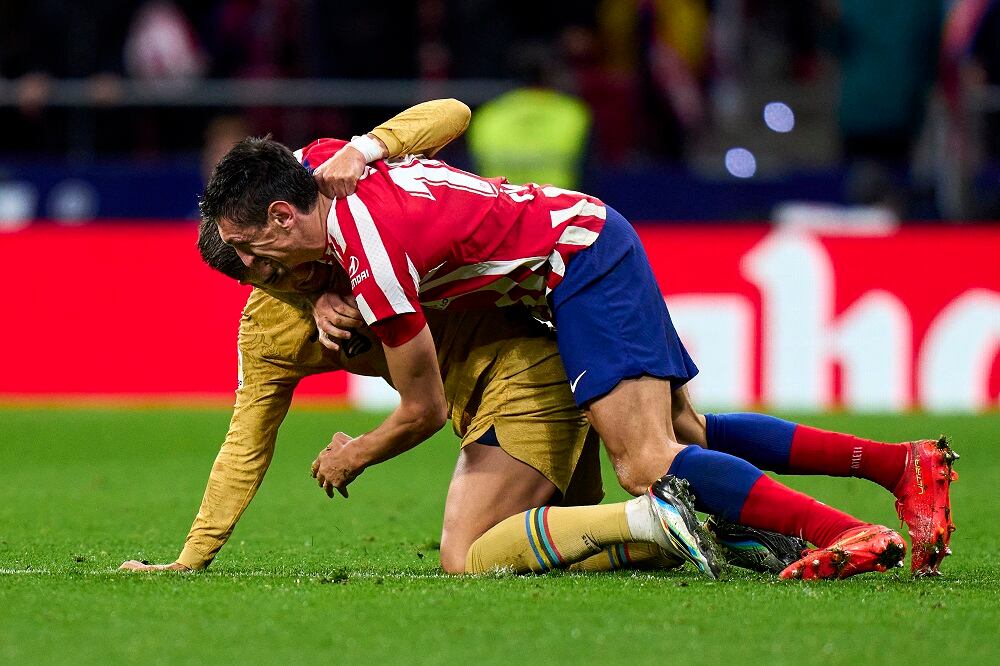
(424, 128)
(262, 400)
(400, 329)
(383, 279)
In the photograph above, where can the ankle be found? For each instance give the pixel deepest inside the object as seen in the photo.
(640, 519)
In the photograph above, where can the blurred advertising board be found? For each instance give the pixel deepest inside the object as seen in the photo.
(120, 311)
(877, 319)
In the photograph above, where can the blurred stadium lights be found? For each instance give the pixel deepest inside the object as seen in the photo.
(741, 163)
(73, 201)
(260, 92)
(779, 117)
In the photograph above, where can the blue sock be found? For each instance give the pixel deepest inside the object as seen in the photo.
(763, 440)
(720, 482)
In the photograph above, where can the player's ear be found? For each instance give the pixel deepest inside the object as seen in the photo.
(281, 213)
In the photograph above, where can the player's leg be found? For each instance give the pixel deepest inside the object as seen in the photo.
(785, 447)
(535, 448)
(634, 435)
(620, 351)
(589, 537)
(599, 537)
(782, 446)
(613, 327)
(790, 448)
(586, 488)
(640, 443)
(488, 486)
(775, 553)
(524, 439)
(918, 473)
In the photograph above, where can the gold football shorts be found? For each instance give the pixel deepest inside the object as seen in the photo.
(524, 396)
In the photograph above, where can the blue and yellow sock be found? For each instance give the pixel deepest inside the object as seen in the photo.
(549, 537)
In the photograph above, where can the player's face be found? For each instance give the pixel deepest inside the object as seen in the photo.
(309, 278)
(277, 241)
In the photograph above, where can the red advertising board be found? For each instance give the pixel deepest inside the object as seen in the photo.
(873, 319)
(119, 311)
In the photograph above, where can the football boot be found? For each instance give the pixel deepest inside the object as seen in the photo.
(923, 503)
(672, 506)
(757, 550)
(858, 550)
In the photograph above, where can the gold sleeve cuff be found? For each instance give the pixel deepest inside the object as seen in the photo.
(392, 144)
(192, 559)
(425, 128)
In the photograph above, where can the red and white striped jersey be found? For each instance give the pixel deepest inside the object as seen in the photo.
(420, 232)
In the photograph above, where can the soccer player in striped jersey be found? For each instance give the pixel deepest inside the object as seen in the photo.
(419, 232)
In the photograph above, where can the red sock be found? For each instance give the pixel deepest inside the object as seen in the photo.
(773, 506)
(817, 451)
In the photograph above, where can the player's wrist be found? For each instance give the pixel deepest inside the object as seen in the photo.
(192, 559)
(371, 149)
(357, 456)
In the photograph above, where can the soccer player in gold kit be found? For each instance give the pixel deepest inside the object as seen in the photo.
(524, 442)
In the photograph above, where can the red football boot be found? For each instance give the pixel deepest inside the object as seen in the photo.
(859, 549)
(922, 502)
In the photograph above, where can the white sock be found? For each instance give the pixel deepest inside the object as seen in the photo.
(640, 519)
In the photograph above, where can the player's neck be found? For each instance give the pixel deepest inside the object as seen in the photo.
(317, 225)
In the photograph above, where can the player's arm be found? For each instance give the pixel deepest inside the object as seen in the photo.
(262, 401)
(422, 411)
(261, 405)
(424, 128)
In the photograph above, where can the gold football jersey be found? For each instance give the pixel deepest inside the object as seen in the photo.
(500, 369)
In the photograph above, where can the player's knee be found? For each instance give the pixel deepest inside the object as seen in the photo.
(453, 568)
(453, 559)
(636, 471)
(634, 481)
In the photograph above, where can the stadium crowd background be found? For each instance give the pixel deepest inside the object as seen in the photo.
(694, 109)
(816, 182)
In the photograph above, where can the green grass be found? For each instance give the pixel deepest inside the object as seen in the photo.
(352, 581)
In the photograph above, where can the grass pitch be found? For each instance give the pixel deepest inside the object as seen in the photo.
(352, 581)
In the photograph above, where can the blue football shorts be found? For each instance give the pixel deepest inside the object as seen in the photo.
(611, 321)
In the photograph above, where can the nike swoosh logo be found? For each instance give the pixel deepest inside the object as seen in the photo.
(572, 384)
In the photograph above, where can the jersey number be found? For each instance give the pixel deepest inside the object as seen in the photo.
(416, 177)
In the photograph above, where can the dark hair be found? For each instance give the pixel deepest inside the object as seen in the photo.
(252, 175)
(217, 254)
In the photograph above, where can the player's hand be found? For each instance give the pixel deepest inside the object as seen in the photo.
(336, 317)
(338, 176)
(334, 467)
(136, 565)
